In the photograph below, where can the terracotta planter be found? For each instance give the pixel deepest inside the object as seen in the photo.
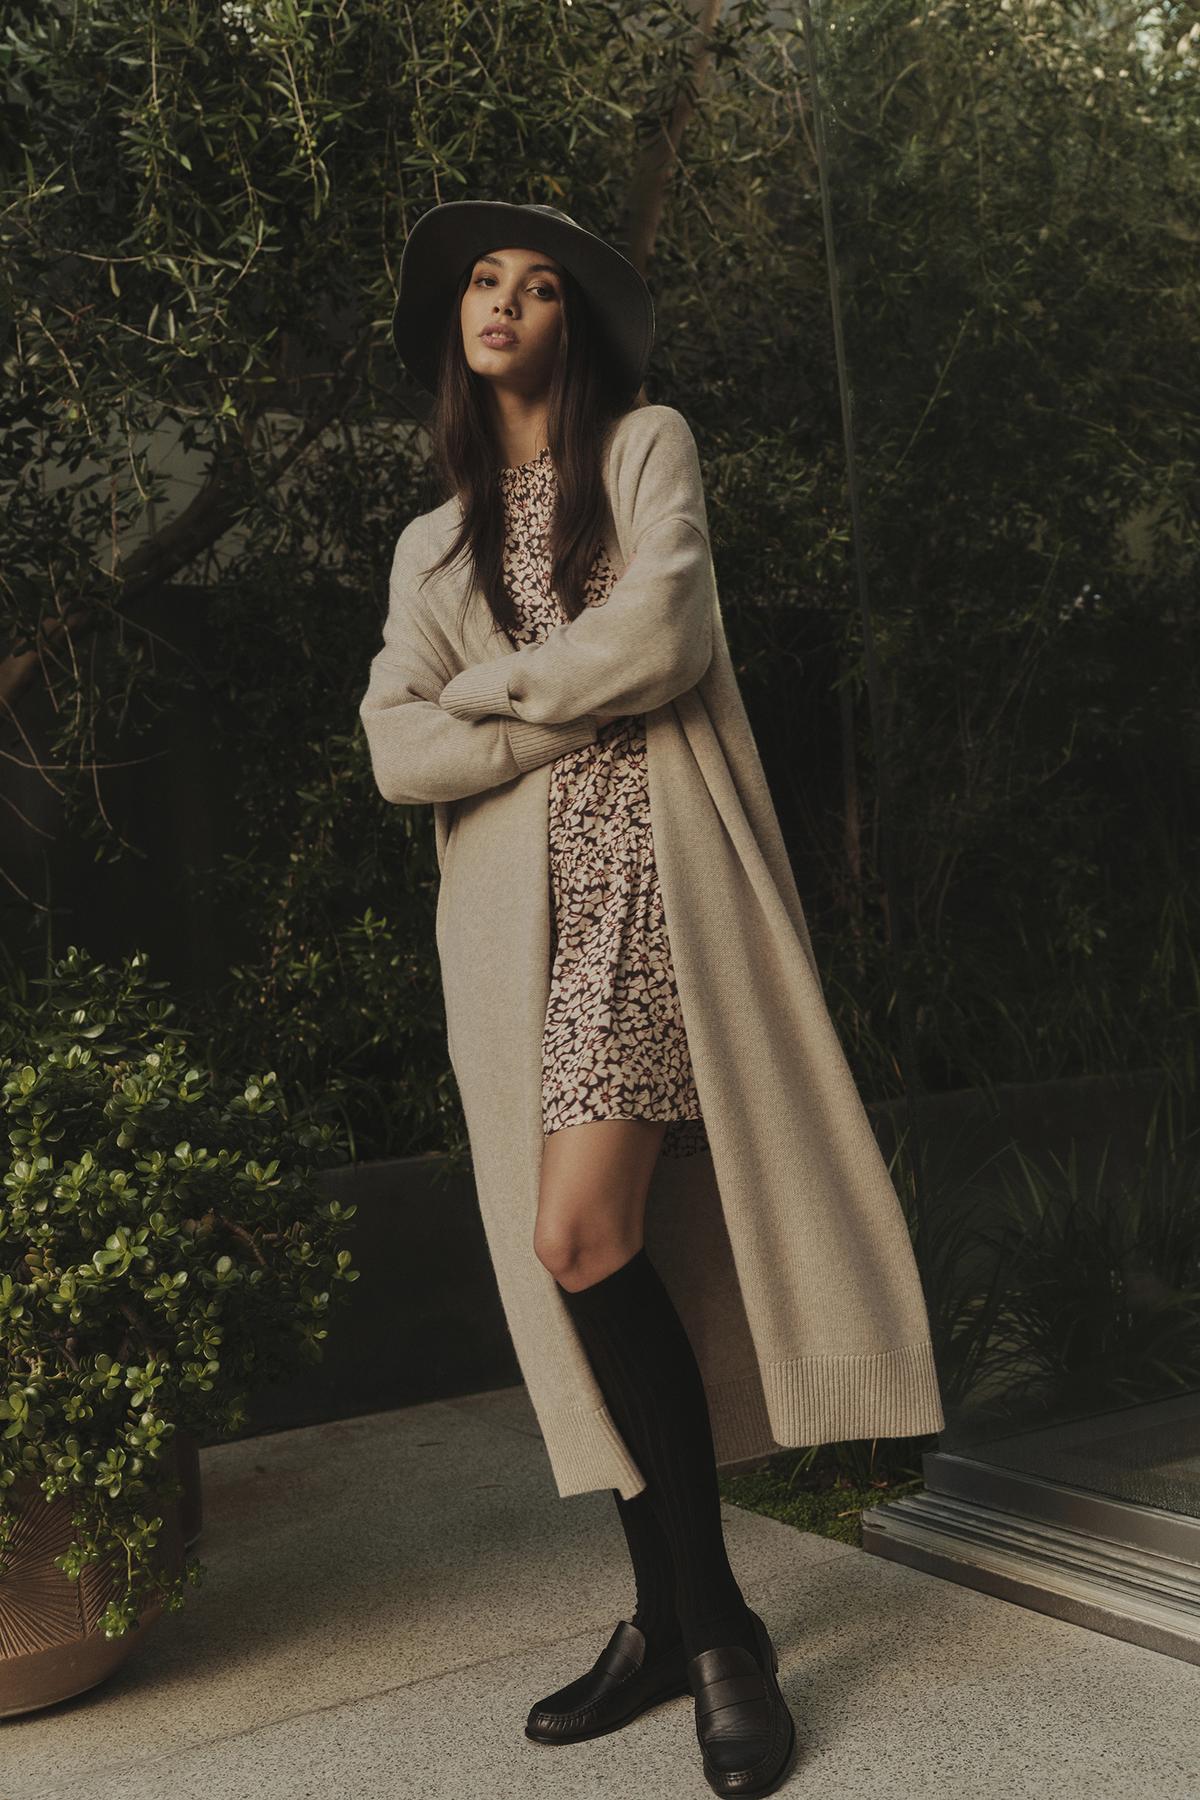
(51, 1644)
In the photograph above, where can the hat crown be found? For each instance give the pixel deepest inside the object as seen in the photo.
(552, 212)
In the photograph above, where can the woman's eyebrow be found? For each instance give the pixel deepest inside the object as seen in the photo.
(531, 270)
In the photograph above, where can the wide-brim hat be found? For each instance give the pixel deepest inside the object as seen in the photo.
(448, 237)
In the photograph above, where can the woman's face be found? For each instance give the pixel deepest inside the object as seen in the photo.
(518, 293)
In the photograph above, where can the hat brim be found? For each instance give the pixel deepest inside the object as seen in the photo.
(449, 236)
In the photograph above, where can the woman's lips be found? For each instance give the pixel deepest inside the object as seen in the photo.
(501, 342)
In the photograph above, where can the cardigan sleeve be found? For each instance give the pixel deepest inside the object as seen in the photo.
(421, 753)
(652, 637)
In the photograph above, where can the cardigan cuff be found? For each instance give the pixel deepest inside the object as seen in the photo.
(533, 745)
(479, 689)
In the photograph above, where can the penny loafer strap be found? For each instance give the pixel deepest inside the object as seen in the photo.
(733, 1702)
(730, 1692)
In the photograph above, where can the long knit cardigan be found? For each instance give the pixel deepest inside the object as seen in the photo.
(784, 1245)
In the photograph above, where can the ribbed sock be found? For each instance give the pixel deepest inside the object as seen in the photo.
(647, 1371)
(653, 1571)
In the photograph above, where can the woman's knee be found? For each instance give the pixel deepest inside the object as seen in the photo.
(593, 1196)
(576, 1258)
(558, 1246)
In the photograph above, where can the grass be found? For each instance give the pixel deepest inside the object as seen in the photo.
(817, 1492)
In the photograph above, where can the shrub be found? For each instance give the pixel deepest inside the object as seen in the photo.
(163, 1247)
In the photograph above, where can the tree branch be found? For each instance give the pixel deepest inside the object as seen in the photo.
(651, 178)
(202, 522)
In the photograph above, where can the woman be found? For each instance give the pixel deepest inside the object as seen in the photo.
(698, 1249)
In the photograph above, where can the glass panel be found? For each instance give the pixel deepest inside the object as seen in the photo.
(1014, 284)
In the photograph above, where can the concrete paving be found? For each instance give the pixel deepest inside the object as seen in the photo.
(386, 1597)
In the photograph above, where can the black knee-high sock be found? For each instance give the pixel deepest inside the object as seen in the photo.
(647, 1371)
(653, 1570)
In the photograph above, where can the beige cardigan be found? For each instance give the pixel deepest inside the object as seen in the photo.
(784, 1245)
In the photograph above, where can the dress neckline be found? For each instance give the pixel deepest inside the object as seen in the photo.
(509, 470)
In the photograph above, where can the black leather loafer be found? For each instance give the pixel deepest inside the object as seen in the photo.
(745, 1730)
(626, 1679)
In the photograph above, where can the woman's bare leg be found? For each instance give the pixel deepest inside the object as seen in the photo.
(592, 1202)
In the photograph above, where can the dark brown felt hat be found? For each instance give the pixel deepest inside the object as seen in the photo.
(449, 236)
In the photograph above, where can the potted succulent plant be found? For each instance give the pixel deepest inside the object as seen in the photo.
(164, 1250)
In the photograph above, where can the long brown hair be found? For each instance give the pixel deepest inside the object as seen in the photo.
(587, 396)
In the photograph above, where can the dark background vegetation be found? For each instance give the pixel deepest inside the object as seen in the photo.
(208, 452)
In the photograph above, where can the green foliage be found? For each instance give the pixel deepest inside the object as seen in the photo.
(1053, 1291)
(1100, 1282)
(822, 1494)
(204, 208)
(163, 1249)
(1014, 188)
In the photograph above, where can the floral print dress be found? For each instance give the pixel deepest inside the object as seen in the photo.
(613, 1045)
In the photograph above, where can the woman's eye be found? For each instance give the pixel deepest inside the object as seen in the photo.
(542, 287)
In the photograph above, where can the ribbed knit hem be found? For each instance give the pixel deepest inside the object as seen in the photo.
(533, 745)
(587, 1451)
(800, 1402)
(741, 1426)
(477, 690)
(833, 1399)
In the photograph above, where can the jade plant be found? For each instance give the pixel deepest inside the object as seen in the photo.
(164, 1251)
